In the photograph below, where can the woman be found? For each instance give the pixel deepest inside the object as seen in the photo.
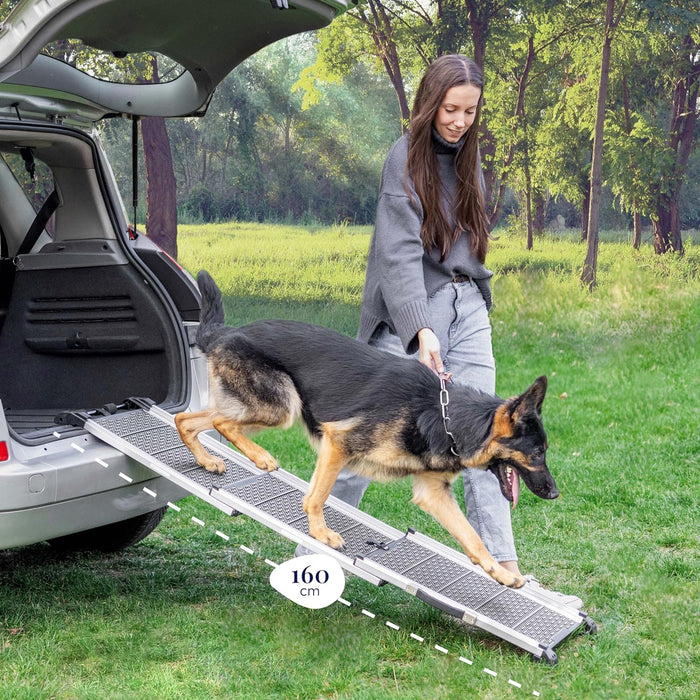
(427, 292)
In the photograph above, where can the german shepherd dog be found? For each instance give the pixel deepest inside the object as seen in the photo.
(375, 413)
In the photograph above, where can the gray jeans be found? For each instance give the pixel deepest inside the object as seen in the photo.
(461, 323)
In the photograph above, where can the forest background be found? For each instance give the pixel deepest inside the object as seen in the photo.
(590, 119)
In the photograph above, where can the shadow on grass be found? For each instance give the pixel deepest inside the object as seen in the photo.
(156, 572)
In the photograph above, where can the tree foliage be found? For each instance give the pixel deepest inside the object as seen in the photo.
(299, 131)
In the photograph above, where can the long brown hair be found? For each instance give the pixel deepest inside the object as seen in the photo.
(446, 72)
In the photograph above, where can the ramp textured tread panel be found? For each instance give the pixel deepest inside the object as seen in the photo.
(133, 421)
(356, 535)
(509, 608)
(402, 556)
(435, 577)
(286, 507)
(262, 489)
(233, 474)
(546, 626)
(438, 575)
(163, 442)
(472, 590)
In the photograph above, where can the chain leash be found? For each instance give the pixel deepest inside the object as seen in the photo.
(444, 403)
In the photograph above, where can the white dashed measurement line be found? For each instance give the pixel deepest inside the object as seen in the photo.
(56, 434)
(347, 603)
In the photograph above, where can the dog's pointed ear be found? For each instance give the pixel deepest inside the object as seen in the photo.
(531, 400)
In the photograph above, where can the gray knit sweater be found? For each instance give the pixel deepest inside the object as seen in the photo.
(400, 274)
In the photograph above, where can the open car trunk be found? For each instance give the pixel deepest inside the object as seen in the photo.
(83, 324)
(86, 337)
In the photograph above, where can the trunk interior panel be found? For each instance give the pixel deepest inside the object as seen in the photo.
(80, 338)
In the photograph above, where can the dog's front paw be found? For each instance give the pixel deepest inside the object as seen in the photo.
(519, 582)
(267, 464)
(329, 537)
(262, 459)
(507, 578)
(213, 464)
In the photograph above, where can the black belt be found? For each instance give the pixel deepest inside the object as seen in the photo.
(458, 279)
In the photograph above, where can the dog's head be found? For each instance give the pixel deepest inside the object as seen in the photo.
(518, 445)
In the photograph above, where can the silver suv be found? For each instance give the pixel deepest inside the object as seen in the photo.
(92, 314)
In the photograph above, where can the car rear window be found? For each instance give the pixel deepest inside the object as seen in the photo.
(132, 69)
(33, 176)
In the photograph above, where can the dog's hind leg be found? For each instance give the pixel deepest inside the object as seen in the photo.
(432, 492)
(190, 425)
(233, 432)
(331, 459)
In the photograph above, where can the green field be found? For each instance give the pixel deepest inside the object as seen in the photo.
(186, 615)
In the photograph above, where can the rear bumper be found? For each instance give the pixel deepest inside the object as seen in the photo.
(23, 527)
(74, 487)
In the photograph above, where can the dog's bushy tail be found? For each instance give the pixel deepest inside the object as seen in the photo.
(212, 314)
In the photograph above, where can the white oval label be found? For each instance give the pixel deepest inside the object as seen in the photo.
(314, 580)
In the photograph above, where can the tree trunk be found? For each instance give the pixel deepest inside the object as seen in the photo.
(381, 30)
(520, 119)
(539, 212)
(590, 265)
(585, 208)
(528, 189)
(667, 222)
(637, 235)
(662, 225)
(161, 200)
(637, 231)
(480, 15)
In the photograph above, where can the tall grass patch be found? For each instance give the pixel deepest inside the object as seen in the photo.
(310, 274)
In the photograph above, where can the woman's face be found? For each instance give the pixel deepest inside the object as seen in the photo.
(456, 112)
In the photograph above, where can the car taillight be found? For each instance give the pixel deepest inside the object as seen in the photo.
(4, 453)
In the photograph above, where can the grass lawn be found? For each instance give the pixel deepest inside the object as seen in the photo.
(185, 614)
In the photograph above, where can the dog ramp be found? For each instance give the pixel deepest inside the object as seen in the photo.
(436, 574)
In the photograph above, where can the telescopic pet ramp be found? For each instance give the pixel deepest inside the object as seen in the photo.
(436, 574)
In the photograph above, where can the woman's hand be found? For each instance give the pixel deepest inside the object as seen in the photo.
(429, 350)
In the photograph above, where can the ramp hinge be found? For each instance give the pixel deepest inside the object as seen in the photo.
(75, 418)
(139, 402)
(378, 545)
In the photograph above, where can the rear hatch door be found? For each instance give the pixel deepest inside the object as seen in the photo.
(201, 43)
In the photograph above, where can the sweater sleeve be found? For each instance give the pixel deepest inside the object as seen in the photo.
(399, 264)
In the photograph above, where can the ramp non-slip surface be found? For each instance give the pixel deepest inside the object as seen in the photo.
(439, 575)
